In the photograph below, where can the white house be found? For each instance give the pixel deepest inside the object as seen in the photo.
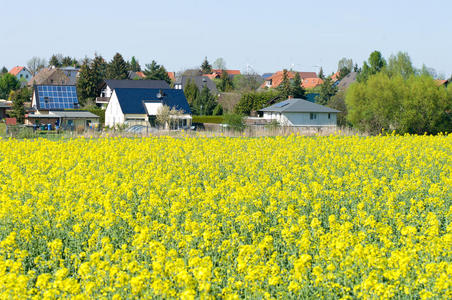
(133, 106)
(299, 112)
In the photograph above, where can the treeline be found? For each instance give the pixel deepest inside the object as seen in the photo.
(94, 71)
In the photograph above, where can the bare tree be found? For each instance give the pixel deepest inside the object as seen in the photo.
(219, 63)
(163, 116)
(35, 64)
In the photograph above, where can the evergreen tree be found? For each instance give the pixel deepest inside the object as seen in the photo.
(191, 91)
(226, 83)
(18, 98)
(117, 69)
(327, 90)
(155, 71)
(99, 70)
(206, 68)
(321, 75)
(4, 70)
(297, 90)
(285, 88)
(86, 83)
(75, 63)
(134, 65)
(55, 60)
(66, 61)
(205, 103)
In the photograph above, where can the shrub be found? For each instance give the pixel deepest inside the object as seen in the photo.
(235, 122)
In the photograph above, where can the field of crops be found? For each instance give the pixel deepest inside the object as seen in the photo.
(282, 217)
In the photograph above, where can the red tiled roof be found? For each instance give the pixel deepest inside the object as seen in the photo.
(16, 70)
(211, 76)
(230, 72)
(172, 75)
(309, 83)
(140, 74)
(440, 82)
(277, 78)
(335, 76)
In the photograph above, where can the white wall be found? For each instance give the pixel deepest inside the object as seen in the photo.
(152, 107)
(113, 113)
(302, 119)
(106, 92)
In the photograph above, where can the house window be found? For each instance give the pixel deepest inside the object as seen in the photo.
(312, 116)
(329, 116)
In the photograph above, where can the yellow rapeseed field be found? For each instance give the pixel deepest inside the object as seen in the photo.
(277, 217)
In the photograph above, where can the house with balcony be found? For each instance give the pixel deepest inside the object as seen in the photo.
(141, 106)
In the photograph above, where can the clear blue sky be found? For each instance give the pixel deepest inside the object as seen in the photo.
(268, 35)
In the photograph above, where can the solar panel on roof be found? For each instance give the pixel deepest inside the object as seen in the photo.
(281, 104)
(57, 97)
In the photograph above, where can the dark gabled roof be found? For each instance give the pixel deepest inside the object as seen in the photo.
(200, 82)
(132, 100)
(298, 105)
(136, 84)
(345, 82)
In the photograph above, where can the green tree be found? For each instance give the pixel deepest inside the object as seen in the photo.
(66, 61)
(247, 82)
(425, 106)
(285, 87)
(400, 64)
(18, 98)
(373, 104)
(338, 102)
(134, 65)
(326, 91)
(191, 91)
(4, 70)
(428, 71)
(8, 83)
(413, 105)
(56, 60)
(225, 84)
(375, 64)
(155, 71)
(99, 67)
(205, 103)
(254, 101)
(321, 74)
(206, 68)
(117, 68)
(86, 84)
(235, 122)
(297, 90)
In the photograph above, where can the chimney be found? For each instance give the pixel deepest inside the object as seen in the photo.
(291, 97)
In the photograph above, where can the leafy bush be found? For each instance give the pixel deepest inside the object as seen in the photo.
(235, 122)
(254, 101)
